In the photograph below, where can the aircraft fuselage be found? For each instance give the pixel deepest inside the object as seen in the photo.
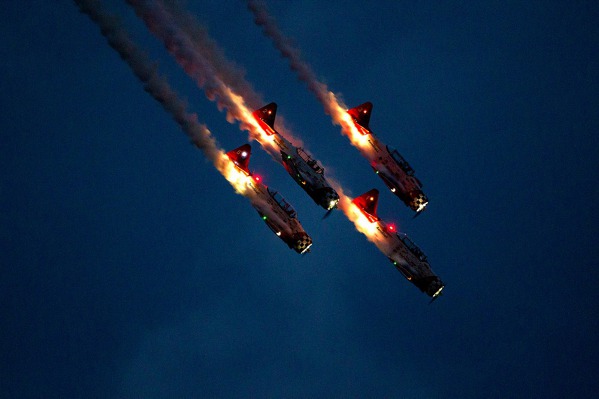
(401, 251)
(304, 170)
(387, 163)
(274, 210)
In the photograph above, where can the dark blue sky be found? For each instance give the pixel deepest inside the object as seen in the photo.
(129, 268)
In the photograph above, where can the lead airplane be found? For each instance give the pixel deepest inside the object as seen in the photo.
(277, 213)
(395, 171)
(401, 251)
(305, 170)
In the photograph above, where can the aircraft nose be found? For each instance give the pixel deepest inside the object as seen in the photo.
(330, 199)
(303, 242)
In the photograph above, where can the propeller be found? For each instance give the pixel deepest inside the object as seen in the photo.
(418, 213)
(437, 295)
(328, 213)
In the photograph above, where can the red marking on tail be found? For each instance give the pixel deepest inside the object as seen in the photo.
(241, 157)
(361, 114)
(266, 115)
(368, 203)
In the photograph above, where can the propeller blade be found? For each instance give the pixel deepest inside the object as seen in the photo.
(326, 215)
(417, 214)
(437, 295)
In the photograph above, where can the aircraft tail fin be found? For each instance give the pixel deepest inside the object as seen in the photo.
(368, 204)
(361, 114)
(241, 157)
(267, 114)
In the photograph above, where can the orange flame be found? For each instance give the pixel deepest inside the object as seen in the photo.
(239, 180)
(355, 215)
(340, 116)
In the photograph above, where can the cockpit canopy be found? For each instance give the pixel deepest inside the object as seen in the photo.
(310, 161)
(283, 204)
(403, 164)
(413, 247)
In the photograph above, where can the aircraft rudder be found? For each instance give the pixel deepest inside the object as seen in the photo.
(267, 114)
(241, 157)
(368, 202)
(361, 114)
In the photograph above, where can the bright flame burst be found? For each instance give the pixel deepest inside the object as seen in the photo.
(340, 116)
(354, 214)
(238, 179)
(244, 115)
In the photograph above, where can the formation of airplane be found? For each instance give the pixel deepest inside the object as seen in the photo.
(305, 170)
(393, 169)
(388, 164)
(401, 251)
(274, 210)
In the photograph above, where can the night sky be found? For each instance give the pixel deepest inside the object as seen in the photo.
(129, 268)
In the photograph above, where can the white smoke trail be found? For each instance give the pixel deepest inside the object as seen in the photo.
(331, 102)
(289, 51)
(147, 73)
(204, 61)
(226, 70)
(160, 90)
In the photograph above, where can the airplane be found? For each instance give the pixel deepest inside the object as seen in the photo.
(277, 213)
(395, 171)
(401, 251)
(305, 170)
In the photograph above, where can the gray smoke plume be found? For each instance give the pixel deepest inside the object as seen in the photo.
(156, 85)
(201, 58)
(288, 50)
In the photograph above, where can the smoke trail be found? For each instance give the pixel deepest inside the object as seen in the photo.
(160, 90)
(161, 24)
(204, 62)
(289, 51)
(226, 70)
(231, 74)
(332, 105)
